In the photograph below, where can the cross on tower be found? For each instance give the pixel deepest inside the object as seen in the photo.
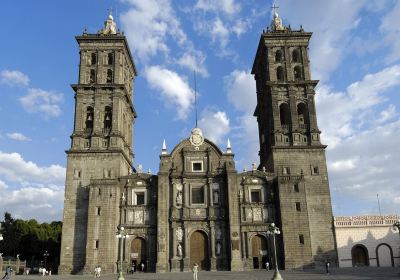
(274, 7)
(110, 11)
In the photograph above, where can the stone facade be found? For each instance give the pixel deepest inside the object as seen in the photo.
(198, 208)
(367, 241)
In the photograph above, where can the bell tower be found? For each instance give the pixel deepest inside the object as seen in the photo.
(290, 144)
(102, 138)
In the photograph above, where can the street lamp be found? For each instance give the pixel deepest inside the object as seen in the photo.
(272, 231)
(45, 255)
(121, 235)
(396, 225)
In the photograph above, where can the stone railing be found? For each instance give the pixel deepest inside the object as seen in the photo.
(365, 221)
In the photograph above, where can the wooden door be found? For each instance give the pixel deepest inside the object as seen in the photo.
(359, 256)
(138, 252)
(258, 251)
(199, 250)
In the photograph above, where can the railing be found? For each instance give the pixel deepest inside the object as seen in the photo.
(362, 221)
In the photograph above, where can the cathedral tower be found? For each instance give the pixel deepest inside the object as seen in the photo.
(290, 144)
(101, 146)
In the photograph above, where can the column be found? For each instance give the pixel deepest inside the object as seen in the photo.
(186, 259)
(213, 259)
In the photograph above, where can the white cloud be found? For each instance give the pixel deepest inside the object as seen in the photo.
(390, 27)
(388, 114)
(343, 165)
(148, 24)
(241, 90)
(46, 102)
(14, 168)
(228, 7)
(174, 89)
(194, 61)
(215, 125)
(345, 108)
(13, 78)
(41, 203)
(331, 29)
(18, 137)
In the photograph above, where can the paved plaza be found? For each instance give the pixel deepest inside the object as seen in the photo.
(371, 273)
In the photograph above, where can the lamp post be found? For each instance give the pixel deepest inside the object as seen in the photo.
(45, 255)
(121, 235)
(272, 231)
(396, 225)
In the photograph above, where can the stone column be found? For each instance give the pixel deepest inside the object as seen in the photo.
(17, 266)
(186, 253)
(213, 259)
(175, 267)
(1, 263)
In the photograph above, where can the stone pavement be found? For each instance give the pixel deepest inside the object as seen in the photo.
(368, 273)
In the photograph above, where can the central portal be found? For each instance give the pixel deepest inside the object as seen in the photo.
(199, 250)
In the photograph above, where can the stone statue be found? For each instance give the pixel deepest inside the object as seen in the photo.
(179, 198)
(218, 249)
(218, 233)
(179, 234)
(216, 197)
(179, 250)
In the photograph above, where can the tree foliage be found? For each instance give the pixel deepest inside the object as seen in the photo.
(31, 239)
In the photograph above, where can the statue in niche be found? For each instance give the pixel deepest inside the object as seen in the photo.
(216, 197)
(179, 234)
(179, 198)
(179, 250)
(218, 248)
(218, 233)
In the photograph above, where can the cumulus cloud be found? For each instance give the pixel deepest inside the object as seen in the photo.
(229, 7)
(14, 168)
(29, 190)
(215, 125)
(41, 101)
(331, 29)
(40, 203)
(359, 97)
(18, 137)
(241, 90)
(194, 61)
(13, 78)
(173, 89)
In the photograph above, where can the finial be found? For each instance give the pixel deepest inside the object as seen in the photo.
(253, 166)
(149, 171)
(195, 95)
(164, 148)
(140, 168)
(110, 28)
(276, 23)
(228, 147)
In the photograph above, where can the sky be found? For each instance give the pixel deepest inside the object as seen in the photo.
(354, 52)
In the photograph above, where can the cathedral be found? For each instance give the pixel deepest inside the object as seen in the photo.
(198, 208)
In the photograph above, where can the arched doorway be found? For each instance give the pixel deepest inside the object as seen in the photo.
(138, 253)
(359, 256)
(259, 251)
(384, 255)
(199, 250)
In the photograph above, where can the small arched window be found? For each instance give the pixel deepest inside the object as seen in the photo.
(296, 55)
(93, 59)
(297, 73)
(302, 115)
(110, 59)
(279, 73)
(107, 117)
(89, 118)
(92, 76)
(278, 56)
(109, 76)
(284, 114)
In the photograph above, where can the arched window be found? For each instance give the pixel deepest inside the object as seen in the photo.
(278, 56)
(89, 118)
(284, 113)
(92, 76)
(109, 76)
(107, 117)
(297, 73)
(296, 55)
(279, 73)
(93, 59)
(302, 115)
(110, 59)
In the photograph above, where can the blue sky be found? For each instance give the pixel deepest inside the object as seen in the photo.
(354, 52)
